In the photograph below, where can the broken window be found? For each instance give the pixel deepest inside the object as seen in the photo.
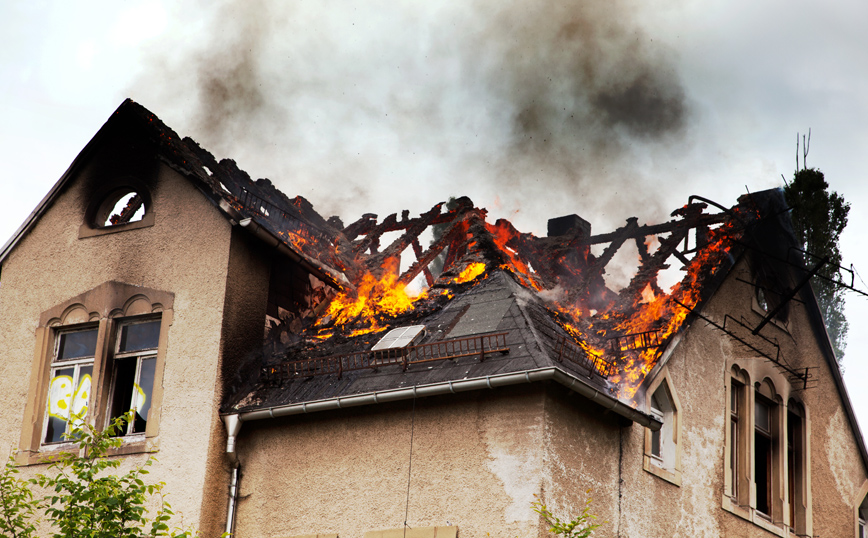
(121, 207)
(70, 385)
(133, 367)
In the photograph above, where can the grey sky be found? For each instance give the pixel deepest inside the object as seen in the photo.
(608, 109)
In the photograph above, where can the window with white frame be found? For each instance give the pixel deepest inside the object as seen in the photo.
(662, 456)
(98, 356)
(130, 372)
(70, 382)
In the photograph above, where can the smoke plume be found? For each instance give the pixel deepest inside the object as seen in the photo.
(539, 109)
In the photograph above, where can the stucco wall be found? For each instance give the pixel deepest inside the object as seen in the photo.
(698, 369)
(478, 459)
(186, 253)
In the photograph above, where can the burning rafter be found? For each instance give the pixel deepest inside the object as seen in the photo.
(619, 335)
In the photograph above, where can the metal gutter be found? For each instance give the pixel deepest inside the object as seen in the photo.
(233, 421)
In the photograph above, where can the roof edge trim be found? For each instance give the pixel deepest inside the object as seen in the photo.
(450, 387)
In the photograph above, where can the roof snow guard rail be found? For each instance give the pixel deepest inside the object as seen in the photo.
(473, 346)
(280, 217)
(594, 363)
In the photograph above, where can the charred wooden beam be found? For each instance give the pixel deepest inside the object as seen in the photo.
(449, 237)
(363, 226)
(372, 239)
(654, 229)
(598, 266)
(691, 214)
(411, 234)
(417, 250)
(645, 257)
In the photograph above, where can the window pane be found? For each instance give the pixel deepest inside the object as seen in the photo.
(733, 455)
(77, 345)
(762, 416)
(762, 472)
(122, 390)
(655, 403)
(139, 336)
(655, 443)
(733, 398)
(60, 391)
(81, 396)
(143, 391)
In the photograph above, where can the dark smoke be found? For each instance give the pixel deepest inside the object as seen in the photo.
(548, 107)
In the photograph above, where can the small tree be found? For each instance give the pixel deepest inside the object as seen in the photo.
(579, 527)
(83, 498)
(819, 217)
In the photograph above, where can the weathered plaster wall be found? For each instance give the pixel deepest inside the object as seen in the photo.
(583, 458)
(186, 253)
(699, 368)
(478, 459)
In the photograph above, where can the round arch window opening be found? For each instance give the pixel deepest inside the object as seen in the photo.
(121, 207)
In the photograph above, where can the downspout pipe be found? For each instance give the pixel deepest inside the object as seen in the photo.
(233, 426)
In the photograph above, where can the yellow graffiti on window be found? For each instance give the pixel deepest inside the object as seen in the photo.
(62, 399)
(139, 399)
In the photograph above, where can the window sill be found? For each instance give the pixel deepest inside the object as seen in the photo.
(138, 444)
(673, 476)
(760, 520)
(86, 230)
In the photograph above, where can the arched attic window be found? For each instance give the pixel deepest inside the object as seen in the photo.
(121, 207)
(124, 207)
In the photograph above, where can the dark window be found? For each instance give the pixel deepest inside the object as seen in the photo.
(763, 455)
(863, 518)
(133, 370)
(657, 412)
(120, 207)
(735, 393)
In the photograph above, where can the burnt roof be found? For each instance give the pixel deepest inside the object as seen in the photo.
(496, 306)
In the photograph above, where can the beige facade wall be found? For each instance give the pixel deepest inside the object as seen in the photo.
(186, 253)
(478, 461)
(699, 369)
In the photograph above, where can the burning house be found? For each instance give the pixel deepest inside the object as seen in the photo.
(291, 384)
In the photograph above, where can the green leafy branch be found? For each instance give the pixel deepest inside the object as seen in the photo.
(581, 526)
(84, 498)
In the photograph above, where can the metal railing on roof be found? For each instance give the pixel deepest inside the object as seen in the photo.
(471, 346)
(636, 341)
(567, 350)
(277, 216)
